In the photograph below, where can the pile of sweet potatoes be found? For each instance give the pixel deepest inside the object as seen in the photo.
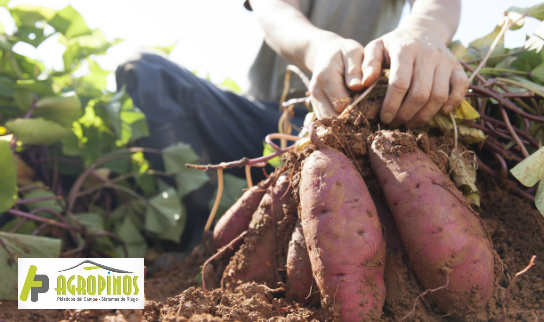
(314, 230)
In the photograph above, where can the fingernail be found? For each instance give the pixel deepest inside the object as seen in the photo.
(447, 108)
(387, 117)
(354, 82)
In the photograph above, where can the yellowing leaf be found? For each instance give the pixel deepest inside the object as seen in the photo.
(465, 111)
(531, 170)
(467, 134)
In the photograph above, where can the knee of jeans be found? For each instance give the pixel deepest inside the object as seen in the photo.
(142, 59)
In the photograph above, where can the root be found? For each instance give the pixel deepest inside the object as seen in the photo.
(423, 294)
(229, 247)
(214, 210)
(507, 292)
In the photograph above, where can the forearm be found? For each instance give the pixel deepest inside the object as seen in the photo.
(288, 32)
(437, 18)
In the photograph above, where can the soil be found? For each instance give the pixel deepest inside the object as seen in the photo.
(175, 293)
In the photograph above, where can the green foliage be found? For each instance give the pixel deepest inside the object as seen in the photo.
(514, 70)
(8, 178)
(530, 172)
(16, 246)
(81, 142)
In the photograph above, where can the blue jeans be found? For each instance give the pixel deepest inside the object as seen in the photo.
(219, 125)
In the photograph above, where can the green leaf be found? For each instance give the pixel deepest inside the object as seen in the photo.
(537, 73)
(536, 11)
(63, 110)
(8, 178)
(531, 170)
(4, 3)
(230, 85)
(275, 161)
(37, 131)
(134, 241)
(233, 188)
(164, 211)
(128, 122)
(70, 23)
(23, 98)
(56, 205)
(166, 49)
(134, 209)
(175, 157)
(479, 47)
(6, 87)
(26, 18)
(28, 15)
(22, 246)
(190, 180)
(40, 87)
(174, 233)
(539, 198)
(94, 82)
(30, 35)
(81, 47)
(90, 220)
(5, 44)
(26, 228)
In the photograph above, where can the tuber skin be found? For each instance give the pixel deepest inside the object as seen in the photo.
(343, 235)
(444, 238)
(299, 269)
(256, 260)
(236, 219)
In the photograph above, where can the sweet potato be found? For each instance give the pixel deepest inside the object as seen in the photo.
(343, 235)
(444, 238)
(256, 260)
(237, 218)
(299, 269)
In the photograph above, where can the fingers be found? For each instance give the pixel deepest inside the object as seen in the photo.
(438, 96)
(353, 57)
(459, 87)
(421, 86)
(399, 83)
(321, 104)
(374, 55)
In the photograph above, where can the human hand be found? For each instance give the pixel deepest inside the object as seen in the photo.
(336, 68)
(424, 76)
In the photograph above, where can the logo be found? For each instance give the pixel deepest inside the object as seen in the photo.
(34, 284)
(71, 283)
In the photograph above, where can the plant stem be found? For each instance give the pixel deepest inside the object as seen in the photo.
(51, 222)
(512, 132)
(507, 103)
(507, 25)
(211, 217)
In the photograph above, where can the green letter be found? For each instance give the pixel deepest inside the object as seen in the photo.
(61, 285)
(135, 283)
(91, 285)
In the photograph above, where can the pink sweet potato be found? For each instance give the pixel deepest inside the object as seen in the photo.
(256, 260)
(237, 218)
(343, 235)
(444, 238)
(299, 269)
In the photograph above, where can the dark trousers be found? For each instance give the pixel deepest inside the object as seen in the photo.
(220, 125)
